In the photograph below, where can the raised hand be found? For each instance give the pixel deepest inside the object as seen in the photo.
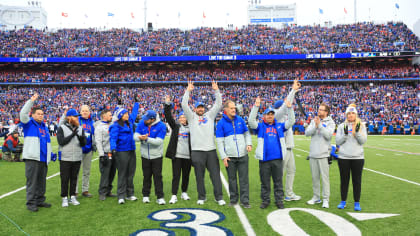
(190, 86)
(167, 98)
(35, 97)
(214, 85)
(288, 104)
(257, 102)
(317, 121)
(357, 127)
(346, 129)
(296, 85)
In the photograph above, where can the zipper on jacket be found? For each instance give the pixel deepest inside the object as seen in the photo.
(236, 141)
(148, 149)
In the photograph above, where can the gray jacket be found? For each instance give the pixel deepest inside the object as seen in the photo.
(351, 147)
(70, 150)
(320, 137)
(102, 137)
(152, 148)
(202, 127)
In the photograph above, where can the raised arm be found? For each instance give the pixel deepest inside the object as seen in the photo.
(184, 104)
(24, 113)
(168, 113)
(252, 119)
(290, 115)
(290, 97)
(218, 103)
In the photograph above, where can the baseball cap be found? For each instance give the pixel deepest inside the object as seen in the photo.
(72, 112)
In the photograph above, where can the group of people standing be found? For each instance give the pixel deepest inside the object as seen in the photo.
(191, 144)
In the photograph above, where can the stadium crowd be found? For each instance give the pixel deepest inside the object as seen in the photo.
(391, 103)
(249, 40)
(386, 71)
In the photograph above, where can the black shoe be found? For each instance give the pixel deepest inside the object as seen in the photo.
(280, 205)
(264, 205)
(87, 194)
(246, 205)
(32, 208)
(44, 204)
(231, 204)
(111, 195)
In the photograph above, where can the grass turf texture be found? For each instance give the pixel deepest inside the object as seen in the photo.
(380, 194)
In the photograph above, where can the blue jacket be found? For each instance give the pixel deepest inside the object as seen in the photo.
(232, 137)
(271, 141)
(151, 148)
(87, 125)
(36, 137)
(121, 137)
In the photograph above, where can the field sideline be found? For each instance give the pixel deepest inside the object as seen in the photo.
(390, 185)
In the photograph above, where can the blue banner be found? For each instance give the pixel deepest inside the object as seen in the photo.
(205, 58)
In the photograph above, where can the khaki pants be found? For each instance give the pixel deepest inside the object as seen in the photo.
(86, 164)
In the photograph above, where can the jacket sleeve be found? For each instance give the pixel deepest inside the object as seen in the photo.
(113, 137)
(98, 141)
(361, 136)
(252, 119)
(160, 136)
(134, 113)
(279, 113)
(217, 105)
(184, 104)
(340, 137)
(61, 139)
(24, 113)
(310, 130)
(290, 118)
(168, 115)
(328, 131)
(220, 140)
(62, 119)
(81, 136)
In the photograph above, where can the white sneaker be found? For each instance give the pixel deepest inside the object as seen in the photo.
(292, 198)
(65, 202)
(221, 202)
(74, 201)
(146, 199)
(161, 201)
(200, 202)
(131, 198)
(325, 204)
(185, 196)
(314, 201)
(121, 201)
(173, 200)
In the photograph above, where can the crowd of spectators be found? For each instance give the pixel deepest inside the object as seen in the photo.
(390, 103)
(249, 40)
(280, 72)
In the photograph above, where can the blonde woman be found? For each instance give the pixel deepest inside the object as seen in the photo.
(351, 135)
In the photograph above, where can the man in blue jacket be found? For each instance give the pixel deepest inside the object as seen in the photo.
(151, 133)
(36, 154)
(234, 142)
(271, 150)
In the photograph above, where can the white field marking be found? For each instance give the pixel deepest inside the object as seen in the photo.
(405, 180)
(378, 154)
(392, 150)
(245, 223)
(24, 187)
(378, 172)
(369, 216)
(298, 155)
(398, 154)
(394, 139)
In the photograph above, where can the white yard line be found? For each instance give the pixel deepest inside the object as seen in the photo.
(393, 150)
(378, 172)
(242, 217)
(24, 187)
(378, 154)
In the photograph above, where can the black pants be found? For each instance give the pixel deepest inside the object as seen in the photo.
(152, 168)
(68, 174)
(202, 160)
(107, 176)
(238, 167)
(355, 167)
(180, 165)
(36, 178)
(126, 165)
(271, 169)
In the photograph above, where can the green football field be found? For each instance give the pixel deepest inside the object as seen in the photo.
(390, 186)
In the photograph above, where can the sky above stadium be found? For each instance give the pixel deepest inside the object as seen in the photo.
(189, 14)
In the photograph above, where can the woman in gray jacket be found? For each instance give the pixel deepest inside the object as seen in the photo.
(71, 139)
(351, 135)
